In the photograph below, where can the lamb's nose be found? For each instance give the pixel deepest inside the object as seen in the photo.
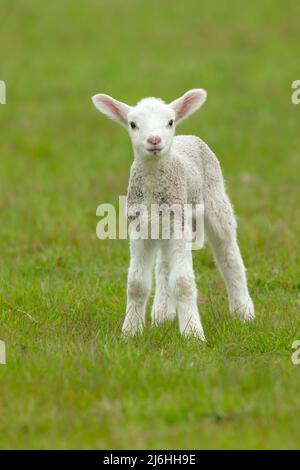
(154, 140)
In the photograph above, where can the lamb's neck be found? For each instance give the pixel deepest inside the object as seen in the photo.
(151, 163)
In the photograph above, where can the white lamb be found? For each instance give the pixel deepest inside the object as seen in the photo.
(172, 169)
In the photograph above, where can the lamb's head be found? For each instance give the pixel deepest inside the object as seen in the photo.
(151, 123)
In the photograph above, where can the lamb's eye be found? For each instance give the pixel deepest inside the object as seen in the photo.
(133, 125)
(170, 123)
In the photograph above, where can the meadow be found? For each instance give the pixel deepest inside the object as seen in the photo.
(70, 380)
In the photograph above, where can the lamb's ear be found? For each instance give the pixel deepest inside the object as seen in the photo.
(112, 108)
(188, 103)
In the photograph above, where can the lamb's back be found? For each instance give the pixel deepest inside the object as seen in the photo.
(192, 149)
(202, 166)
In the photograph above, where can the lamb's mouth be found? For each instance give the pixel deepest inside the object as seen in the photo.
(155, 150)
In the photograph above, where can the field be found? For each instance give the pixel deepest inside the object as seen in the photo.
(70, 381)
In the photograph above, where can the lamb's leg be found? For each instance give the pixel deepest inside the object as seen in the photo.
(163, 308)
(142, 256)
(183, 288)
(220, 230)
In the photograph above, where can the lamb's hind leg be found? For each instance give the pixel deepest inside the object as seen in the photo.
(163, 308)
(220, 230)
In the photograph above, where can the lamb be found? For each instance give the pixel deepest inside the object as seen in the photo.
(173, 169)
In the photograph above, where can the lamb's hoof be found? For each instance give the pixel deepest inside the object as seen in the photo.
(193, 330)
(131, 328)
(160, 316)
(244, 311)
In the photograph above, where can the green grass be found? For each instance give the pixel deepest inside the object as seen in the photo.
(70, 382)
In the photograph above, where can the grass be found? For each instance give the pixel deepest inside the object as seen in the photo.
(70, 382)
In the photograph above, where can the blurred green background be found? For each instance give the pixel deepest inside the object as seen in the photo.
(70, 381)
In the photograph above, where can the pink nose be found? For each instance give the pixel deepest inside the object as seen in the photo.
(154, 140)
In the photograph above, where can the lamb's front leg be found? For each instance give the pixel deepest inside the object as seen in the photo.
(163, 308)
(184, 291)
(142, 255)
